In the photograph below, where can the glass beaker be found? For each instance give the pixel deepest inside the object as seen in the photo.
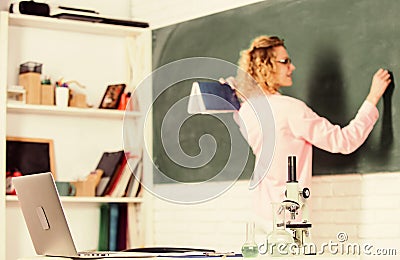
(279, 239)
(250, 248)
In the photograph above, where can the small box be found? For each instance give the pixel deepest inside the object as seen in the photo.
(47, 95)
(32, 85)
(77, 99)
(87, 187)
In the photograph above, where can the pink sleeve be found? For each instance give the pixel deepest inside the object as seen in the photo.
(236, 117)
(318, 131)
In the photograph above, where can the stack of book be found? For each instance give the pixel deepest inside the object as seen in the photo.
(113, 223)
(119, 227)
(122, 175)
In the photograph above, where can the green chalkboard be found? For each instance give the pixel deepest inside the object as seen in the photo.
(336, 47)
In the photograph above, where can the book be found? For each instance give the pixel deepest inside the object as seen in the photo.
(125, 179)
(113, 227)
(104, 227)
(134, 226)
(122, 227)
(212, 97)
(116, 178)
(134, 184)
(109, 163)
(121, 183)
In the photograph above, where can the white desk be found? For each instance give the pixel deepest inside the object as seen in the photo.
(323, 257)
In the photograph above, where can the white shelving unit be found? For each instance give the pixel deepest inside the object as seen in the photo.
(98, 55)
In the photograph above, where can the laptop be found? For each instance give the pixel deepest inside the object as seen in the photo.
(46, 222)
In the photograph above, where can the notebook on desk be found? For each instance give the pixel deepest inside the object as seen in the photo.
(46, 221)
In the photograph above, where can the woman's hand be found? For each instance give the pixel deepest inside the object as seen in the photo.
(380, 82)
(231, 81)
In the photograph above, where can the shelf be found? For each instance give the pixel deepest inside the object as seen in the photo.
(66, 199)
(33, 21)
(69, 111)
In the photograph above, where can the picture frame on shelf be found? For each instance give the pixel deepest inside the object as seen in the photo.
(30, 155)
(112, 96)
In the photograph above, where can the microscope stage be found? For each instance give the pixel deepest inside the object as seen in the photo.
(298, 225)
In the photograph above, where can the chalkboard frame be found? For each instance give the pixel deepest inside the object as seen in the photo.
(49, 142)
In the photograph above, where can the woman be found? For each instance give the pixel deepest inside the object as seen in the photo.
(297, 127)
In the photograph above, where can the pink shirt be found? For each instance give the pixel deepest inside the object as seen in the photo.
(297, 129)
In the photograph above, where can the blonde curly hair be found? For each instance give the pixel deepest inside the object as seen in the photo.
(257, 63)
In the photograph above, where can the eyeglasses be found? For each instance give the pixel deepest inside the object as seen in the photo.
(286, 61)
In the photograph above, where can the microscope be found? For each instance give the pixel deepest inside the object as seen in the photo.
(294, 203)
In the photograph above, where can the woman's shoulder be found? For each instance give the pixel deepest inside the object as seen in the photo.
(279, 105)
(275, 101)
(284, 100)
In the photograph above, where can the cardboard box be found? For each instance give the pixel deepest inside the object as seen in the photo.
(31, 82)
(47, 95)
(87, 187)
(77, 99)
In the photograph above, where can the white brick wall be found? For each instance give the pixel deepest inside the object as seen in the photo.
(218, 223)
(365, 206)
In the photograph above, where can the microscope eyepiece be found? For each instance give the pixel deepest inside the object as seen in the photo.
(292, 169)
